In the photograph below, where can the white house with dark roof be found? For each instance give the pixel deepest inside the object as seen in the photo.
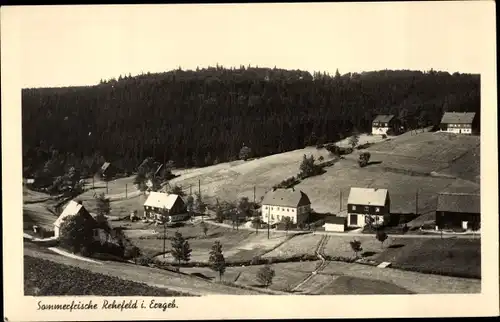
(367, 205)
(282, 203)
(100, 229)
(159, 205)
(382, 123)
(459, 123)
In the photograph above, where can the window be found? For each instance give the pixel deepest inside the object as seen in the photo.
(278, 217)
(377, 209)
(287, 209)
(265, 207)
(354, 220)
(353, 207)
(367, 208)
(293, 210)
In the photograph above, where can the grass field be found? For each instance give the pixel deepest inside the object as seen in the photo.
(461, 257)
(150, 276)
(46, 278)
(411, 281)
(298, 245)
(349, 285)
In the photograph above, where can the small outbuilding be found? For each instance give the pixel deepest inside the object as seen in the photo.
(334, 223)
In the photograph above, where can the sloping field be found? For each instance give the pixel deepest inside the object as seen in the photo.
(413, 282)
(461, 257)
(46, 278)
(298, 245)
(140, 274)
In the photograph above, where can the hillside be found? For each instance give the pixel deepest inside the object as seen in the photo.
(403, 164)
(204, 117)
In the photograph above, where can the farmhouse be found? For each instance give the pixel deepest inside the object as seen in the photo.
(383, 123)
(100, 229)
(459, 123)
(367, 205)
(285, 203)
(165, 207)
(334, 223)
(458, 210)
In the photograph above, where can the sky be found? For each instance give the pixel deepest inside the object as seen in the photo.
(79, 45)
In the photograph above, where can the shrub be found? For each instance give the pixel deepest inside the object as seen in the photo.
(364, 158)
(384, 136)
(265, 275)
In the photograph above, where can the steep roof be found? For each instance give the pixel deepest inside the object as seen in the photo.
(335, 220)
(158, 169)
(73, 208)
(457, 118)
(105, 166)
(459, 202)
(286, 198)
(161, 200)
(368, 196)
(383, 118)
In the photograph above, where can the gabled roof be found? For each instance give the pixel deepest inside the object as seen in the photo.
(383, 118)
(158, 169)
(368, 196)
(459, 202)
(286, 198)
(161, 200)
(457, 118)
(105, 166)
(335, 220)
(73, 208)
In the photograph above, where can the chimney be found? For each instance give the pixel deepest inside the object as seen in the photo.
(79, 202)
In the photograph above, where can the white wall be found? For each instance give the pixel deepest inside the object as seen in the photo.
(333, 227)
(276, 213)
(379, 130)
(361, 220)
(459, 130)
(56, 231)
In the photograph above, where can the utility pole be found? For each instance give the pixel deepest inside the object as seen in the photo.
(93, 186)
(340, 210)
(254, 195)
(199, 188)
(164, 237)
(190, 190)
(268, 222)
(416, 204)
(107, 187)
(126, 190)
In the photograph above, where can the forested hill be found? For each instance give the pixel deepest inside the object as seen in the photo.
(196, 118)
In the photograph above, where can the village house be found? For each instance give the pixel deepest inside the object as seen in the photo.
(163, 207)
(383, 123)
(334, 223)
(459, 123)
(100, 227)
(285, 203)
(458, 210)
(366, 205)
(108, 171)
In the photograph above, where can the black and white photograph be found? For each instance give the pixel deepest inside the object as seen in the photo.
(174, 152)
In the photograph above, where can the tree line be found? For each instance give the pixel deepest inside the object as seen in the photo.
(206, 116)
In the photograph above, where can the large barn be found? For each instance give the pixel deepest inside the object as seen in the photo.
(458, 210)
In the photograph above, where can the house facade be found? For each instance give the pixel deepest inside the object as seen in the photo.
(334, 223)
(383, 123)
(282, 203)
(367, 205)
(458, 210)
(163, 207)
(458, 123)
